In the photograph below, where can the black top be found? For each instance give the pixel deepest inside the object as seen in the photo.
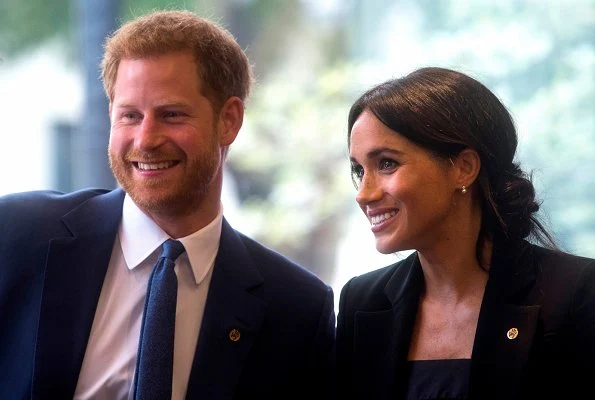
(547, 296)
(438, 379)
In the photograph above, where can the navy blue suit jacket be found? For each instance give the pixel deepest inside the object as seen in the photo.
(54, 253)
(548, 296)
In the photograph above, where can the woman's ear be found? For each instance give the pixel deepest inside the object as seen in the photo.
(467, 165)
(231, 117)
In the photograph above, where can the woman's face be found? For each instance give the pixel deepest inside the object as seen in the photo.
(405, 191)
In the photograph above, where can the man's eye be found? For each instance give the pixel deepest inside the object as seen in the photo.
(172, 114)
(130, 115)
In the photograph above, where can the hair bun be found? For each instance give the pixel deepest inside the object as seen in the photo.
(516, 202)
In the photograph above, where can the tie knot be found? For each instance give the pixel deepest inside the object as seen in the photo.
(172, 249)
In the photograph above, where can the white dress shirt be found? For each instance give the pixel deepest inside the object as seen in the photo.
(110, 358)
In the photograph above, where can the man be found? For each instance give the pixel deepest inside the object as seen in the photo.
(75, 268)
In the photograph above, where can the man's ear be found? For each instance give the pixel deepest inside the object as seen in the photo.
(230, 120)
(467, 165)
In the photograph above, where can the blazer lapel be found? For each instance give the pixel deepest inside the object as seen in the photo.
(75, 269)
(505, 330)
(231, 321)
(381, 338)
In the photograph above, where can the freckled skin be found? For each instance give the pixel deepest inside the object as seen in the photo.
(398, 175)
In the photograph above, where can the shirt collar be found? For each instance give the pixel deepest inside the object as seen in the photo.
(140, 236)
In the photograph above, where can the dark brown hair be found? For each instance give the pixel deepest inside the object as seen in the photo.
(445, 111)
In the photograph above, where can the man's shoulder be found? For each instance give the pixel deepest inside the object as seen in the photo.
(41, 204)
(291, 291)
(48, 197)
(271, 262)
(265, 253)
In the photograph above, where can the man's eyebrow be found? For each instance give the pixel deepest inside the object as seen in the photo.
(123, 105)
(173, 103)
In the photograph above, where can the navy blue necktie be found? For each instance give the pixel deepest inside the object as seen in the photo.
(154, 362)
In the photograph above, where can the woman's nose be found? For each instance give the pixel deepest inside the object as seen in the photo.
(368, 190)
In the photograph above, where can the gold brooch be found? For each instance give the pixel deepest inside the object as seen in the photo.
(512, 333)
(234, 335)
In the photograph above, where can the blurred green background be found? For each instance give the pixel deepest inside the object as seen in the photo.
(288, 181)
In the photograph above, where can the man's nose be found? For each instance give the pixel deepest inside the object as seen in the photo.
(149, 134)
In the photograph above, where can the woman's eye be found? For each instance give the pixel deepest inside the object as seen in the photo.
(357, 174)
(357, 171)
(387, 163)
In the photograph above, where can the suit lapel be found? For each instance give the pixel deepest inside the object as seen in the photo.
(505, 330)
(231, 321)
(74, 274)
(381, 338)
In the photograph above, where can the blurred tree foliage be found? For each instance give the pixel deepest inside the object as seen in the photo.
(541, 59)
(294, 172)
(290, 163)
(26, 24)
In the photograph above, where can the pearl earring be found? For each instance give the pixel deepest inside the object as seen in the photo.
(463, 189)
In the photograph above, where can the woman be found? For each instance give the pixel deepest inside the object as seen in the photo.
(476, 311)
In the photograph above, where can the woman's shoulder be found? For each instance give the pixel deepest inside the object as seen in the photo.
(563, 273)
(373, 284)
(559, 261)
(383, 274)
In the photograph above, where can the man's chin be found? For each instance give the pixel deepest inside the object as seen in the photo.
(166, 204)
(152, 200)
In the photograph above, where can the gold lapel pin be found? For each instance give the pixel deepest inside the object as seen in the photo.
(234, 335)
(512, 333)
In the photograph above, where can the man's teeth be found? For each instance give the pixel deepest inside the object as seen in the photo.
(376, 219)
(161, 165)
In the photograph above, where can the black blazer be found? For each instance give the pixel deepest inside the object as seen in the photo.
(548, 296)
(54, 253)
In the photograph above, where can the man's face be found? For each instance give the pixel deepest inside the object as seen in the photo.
(164, 147)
